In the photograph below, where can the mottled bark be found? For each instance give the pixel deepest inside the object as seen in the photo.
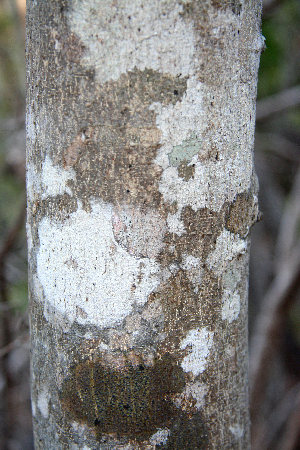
(141, 196)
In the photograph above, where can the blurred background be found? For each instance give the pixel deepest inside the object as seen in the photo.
(274, 291)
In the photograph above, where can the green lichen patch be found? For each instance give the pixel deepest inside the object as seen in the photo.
(185, 151)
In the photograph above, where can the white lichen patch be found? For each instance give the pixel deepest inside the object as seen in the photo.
(197, 391)
(231, 305)
(231, 296)
(160, 437)
(237, 431)
(192, 266)
(212, 184)
(189, 262)
(29, 237)
(141, 233)
(200, 341)
(175, 225)
(51, 181)
(43, 402)
(79, 428)
(133, 34)
(30, 124)
(54, 179)
(228, 247)
(85, 274)
(180, 122)
(216, 178)
(33, 407)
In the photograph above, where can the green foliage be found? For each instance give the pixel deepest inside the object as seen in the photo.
(12, 186)
(280, 63)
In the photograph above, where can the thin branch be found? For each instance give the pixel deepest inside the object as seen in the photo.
(278, 298)
(269, 6)
(13, 233)
(288, 231)
(269, 324)
(287, 407)
(18, 342)
(275, 143)
(290, 438)
(12, 124)
(277, 103)
(6, 247)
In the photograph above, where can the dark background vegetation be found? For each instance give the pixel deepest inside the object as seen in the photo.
(274, 302)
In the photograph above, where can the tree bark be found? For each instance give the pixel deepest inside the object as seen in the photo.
(141, 196)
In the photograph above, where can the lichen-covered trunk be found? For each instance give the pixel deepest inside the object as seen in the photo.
(141, 196)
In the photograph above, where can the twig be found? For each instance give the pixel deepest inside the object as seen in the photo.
(12, 124)
(289, 224)
(6, 247)
(269, 6)
(286, 408)
(13, 233)
(290, 438)
(275, 143)
(18, 342)
(274, 104)
(268, 324)
(278, 298)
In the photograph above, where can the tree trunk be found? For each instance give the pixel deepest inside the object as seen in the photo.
(141, 196)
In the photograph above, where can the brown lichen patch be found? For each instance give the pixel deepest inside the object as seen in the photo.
(202, 229)
(186, 171)
(187, 433)
(132, 402)
(72, 152)
(181, 309)
(71, 47)
(66, 45)
(242, 214)
(190, 298)
(215, 70)
(60, 207)
(118, 169)
(203, 226)
(120, 340)
(234, 5)
(123, 139)
(80, 313)
(210, 294)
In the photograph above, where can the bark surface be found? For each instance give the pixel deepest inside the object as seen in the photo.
(141, 196)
